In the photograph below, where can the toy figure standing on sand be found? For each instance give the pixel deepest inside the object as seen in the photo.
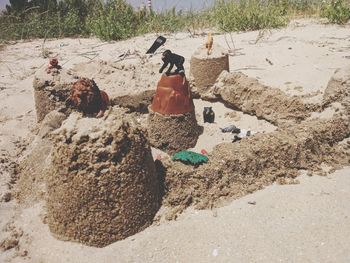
(209, 44)
(173, 59)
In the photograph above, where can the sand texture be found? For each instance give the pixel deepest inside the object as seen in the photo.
(205, 69)
(101, 185)
(172, 133)
(248, 95)
(32, 166)
(51, 91)
(236, 169)
(120, 78)
(64, 186)
(338, 87)
(135, 102)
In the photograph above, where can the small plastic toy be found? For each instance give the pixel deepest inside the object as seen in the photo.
(189, 157)
(208, 115)
(53, 64)
(173, 59)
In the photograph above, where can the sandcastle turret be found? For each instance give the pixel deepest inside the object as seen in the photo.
(205, 66)
(172, 124)
(51, 89)
(102, 185)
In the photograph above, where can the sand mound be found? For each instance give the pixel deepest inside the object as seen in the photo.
(205, 69)
(51, 91)
(120, 78)
(134, 102)
(235, 169)
(102, 185)
(173, 133)
(248, 95)
(31, 183)
(338, 87)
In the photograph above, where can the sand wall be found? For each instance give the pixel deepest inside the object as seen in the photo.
(338, 87)
(236, 169)
(248, 95)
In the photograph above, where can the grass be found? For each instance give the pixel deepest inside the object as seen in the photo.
(336, 11)
(116, 20)
(249, 15)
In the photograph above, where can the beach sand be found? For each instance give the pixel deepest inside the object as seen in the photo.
(306, 222)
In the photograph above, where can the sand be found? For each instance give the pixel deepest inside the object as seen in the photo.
(101, 183)
(304, 222)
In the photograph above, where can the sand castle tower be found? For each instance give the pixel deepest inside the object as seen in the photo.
(51, 89)
(102, 185)
(205, 68)
(172, 124)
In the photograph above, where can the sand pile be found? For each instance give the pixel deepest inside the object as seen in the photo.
(235, 169)
(129, 83)
(134, 102)
(102, 185)
(32, 168)
(173, 133)
(338, 87)
(51, 91)
(248, 95)
(205, 69)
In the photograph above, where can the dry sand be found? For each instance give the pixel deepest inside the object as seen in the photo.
(308, 222)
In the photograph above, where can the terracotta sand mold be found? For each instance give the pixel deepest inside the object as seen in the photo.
(171, 123)
(173, 96)
(243, 167)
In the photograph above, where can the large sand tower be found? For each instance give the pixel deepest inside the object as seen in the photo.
(172, 124)
(205, 69)
(102, 185)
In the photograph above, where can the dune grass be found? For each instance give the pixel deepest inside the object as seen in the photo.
(116, 20)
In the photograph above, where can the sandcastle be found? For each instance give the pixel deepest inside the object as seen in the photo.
(102, 185)
(51, 91)
(205, 69)
(172, 124)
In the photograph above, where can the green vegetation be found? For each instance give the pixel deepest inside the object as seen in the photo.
(115, 19)
(336, 11)
(249, 15)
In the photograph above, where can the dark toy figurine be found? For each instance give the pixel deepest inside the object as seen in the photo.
(172, 59)
(208, 115)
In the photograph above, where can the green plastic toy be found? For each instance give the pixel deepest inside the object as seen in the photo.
(189, 157)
